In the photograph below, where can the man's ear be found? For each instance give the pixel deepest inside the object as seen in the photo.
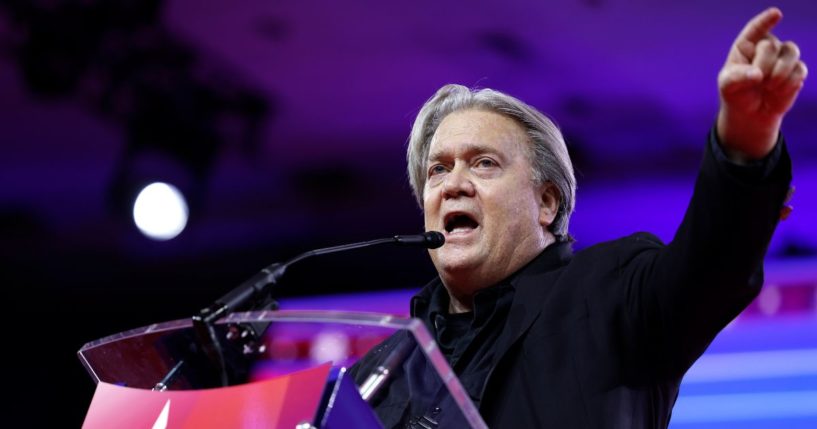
(549, 199)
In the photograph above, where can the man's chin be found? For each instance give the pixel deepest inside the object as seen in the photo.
(455, 266)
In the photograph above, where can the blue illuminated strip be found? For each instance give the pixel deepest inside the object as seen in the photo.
(744, 406)
(753, 365)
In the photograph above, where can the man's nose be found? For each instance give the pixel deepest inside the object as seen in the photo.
(458, 183)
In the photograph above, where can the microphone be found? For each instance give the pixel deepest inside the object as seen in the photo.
(429, 239)
(258, 285)
(375, 382)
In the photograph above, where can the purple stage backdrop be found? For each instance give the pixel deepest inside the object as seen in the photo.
(284, 124)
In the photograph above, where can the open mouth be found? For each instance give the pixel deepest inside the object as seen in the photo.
(460, 222)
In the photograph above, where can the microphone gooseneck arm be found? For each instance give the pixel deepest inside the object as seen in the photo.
(258, 285)
(257, 288)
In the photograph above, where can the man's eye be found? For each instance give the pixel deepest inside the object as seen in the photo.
(436, 169)
(486, 163)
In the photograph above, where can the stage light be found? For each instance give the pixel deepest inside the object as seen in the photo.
(160, 211)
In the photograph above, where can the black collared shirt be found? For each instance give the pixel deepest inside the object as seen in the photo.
(466, 339)
(467, 342)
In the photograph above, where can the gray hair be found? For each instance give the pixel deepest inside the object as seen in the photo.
(549, 159)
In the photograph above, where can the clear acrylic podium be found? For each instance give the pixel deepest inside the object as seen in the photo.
(294, 376)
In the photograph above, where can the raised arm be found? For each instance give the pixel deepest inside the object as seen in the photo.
(681, 295)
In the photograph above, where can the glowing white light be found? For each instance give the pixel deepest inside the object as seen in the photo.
(160, 211)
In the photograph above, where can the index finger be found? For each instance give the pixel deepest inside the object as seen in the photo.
(759, 26)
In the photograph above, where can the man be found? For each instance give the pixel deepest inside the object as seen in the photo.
(541, 337)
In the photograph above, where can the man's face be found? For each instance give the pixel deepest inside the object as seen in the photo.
(479, 192)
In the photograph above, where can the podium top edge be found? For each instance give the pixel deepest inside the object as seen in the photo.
(284, 316)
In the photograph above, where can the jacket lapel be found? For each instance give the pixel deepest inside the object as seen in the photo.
(532, 286)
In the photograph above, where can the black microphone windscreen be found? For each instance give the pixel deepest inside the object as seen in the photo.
(429, 240)
(434, 239)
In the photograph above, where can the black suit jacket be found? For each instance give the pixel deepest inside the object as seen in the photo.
(602, 338)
